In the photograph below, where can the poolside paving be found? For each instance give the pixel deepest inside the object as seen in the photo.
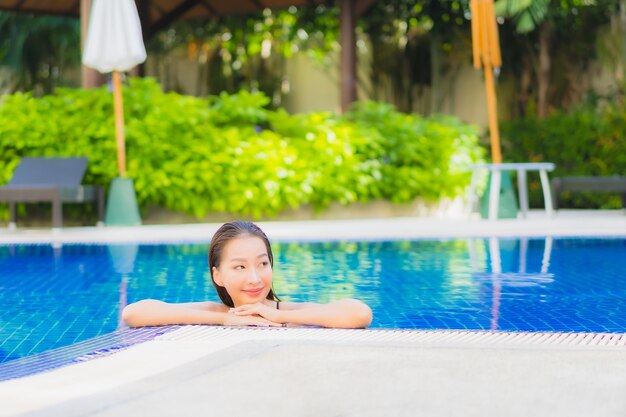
(562, 223)
(305, 377)
(309, 378)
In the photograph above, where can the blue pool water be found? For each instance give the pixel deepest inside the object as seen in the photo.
(52, 297)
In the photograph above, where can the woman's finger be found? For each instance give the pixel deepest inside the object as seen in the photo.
(250, 309)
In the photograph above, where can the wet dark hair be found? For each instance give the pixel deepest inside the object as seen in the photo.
(226, 233)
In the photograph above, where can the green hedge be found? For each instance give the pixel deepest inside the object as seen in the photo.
(230, 154)
(585, 142)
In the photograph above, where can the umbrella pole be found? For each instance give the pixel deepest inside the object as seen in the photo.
(119, 122)
(122, 209)
(492, 107)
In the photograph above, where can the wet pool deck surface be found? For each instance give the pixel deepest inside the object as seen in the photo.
(279, 376)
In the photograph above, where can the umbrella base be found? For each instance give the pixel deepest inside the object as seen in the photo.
(507, 203)
(122, 209)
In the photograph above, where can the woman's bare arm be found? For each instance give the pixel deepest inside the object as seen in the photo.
(347, 314)
(159, 313)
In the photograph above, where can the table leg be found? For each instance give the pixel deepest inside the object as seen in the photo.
(12, 215)
(494, 194)
(473, 198)
(57, 212)
(522, 191)
(547, 193)
(100, 203)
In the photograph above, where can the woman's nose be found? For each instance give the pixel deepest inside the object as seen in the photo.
(254, 276)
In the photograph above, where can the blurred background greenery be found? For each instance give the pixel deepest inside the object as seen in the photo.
(231, 154)
(560, 92)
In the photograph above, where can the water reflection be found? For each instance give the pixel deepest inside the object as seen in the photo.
(399, 280)
(54, 296)
(421, 284)
(123, 260)
(502, 280)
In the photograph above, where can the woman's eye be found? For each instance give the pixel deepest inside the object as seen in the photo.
(238, 267)
(265, 263)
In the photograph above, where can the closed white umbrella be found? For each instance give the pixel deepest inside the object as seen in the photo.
(115, 44)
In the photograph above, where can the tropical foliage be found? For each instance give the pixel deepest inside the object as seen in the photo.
(229, 153)
(248, 52)
(588, 141)
(37, 50)
(417, 49)
(550, 45)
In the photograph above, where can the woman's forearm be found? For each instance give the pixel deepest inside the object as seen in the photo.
(159, 313)
(347, 314)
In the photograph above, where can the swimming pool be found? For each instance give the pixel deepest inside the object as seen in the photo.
(58, 296)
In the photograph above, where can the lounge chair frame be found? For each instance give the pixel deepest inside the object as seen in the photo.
(603, 184)
(51, 180)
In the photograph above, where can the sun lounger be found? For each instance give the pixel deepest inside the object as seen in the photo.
(53, 180)
(603, 184)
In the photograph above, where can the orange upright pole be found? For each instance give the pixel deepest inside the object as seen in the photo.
(491, 27)
(487, 46)
(476, 52)
(348, 54)
(492, 109)
(119, 122)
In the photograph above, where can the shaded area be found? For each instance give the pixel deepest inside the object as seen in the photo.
(157, 15)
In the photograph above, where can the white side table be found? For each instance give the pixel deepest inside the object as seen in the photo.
(522, 185)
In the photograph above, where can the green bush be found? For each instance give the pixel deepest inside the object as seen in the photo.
(584, 142)
(230, 154)
(419, 156)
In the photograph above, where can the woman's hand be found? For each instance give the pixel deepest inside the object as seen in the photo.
(232, 319)
(258, 309)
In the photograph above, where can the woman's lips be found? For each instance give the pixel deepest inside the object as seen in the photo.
(254, 292)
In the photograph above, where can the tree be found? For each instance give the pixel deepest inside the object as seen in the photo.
(249, 51)
(414, 43)
(542, 24)
(37, 49)
(612, 47)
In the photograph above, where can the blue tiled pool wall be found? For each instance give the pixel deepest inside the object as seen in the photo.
(53, 297)
(79, 352)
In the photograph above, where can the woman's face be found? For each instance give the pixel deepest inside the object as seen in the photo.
(245, 270)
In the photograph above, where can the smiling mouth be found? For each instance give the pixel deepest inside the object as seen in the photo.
(254, 292)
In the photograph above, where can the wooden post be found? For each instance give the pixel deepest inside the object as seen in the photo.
(492, 109)
(622, 31)
(90, 77)
(486, 50)
(119, 122)
(348, 55)
(143, 10)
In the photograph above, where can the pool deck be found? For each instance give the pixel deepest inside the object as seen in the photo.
(563, 223)
(320, 372)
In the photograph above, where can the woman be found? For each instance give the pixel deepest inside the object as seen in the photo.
(240, 262)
